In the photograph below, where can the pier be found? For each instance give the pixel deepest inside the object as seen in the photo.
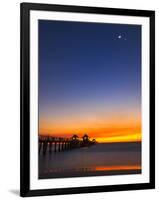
(58, 144)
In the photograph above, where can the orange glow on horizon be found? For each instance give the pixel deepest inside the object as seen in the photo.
(125, 135)
(108, 138)
(135, 137)
(103, 128)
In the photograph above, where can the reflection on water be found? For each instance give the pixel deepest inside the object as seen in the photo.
(100, 159)
(112, 168)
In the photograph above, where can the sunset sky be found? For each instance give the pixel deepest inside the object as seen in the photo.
(90, 80)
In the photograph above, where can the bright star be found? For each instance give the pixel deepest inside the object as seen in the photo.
(119, 36)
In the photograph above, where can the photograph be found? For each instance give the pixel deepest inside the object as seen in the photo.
(89, 99)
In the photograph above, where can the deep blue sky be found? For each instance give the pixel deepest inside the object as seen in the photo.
(86, 66)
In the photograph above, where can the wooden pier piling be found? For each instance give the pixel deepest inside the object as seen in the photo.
(53, 144)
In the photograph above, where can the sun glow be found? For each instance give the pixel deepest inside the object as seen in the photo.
(105, 135)
(104, 127)
(136, 137)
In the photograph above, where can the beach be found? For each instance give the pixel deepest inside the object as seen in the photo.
(97, 160)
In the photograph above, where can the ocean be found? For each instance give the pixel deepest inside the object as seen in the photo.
(96, 160)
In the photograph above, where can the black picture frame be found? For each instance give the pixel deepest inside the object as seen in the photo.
(25, 9)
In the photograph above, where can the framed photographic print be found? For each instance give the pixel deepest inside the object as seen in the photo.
(87, 99)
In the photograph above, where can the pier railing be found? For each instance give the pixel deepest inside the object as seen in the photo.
(58, 144)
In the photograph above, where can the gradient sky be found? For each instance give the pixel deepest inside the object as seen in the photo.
(90, 80)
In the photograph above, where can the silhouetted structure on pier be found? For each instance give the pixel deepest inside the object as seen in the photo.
(58, 144)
